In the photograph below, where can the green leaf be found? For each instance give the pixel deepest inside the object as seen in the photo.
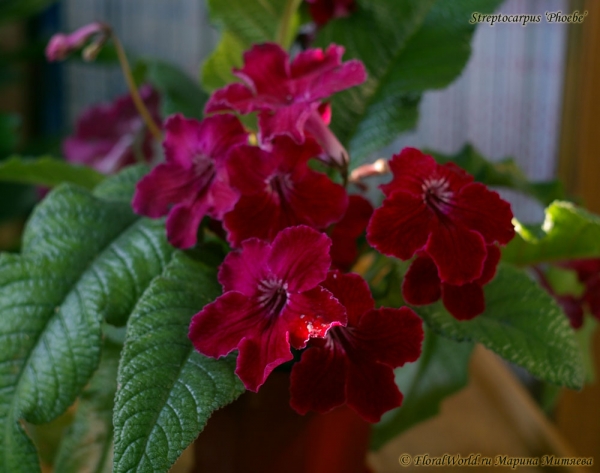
(11, 10)
(418, 45)
(568, 232)
(47, 172)
(243, 24)
(83, 259)
(179, 92)
(441, 370)
(87, 444)
(9, 133)
(216, 70)
(523, 324)
(503, 173)
(167, 390)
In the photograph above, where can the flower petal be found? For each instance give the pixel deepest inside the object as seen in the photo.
(286, 121)
(317, 382)
(266, 69)
(353, 293)
(249, 167)
(458, 253)
(300, 257)
(232, 97)
(421, 283)
(400, 226)
(311, 314)
(490, 265)
(463, 302)
(242, 270)
(183, 222)
(483, 210)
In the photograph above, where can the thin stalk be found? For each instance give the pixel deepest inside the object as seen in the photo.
(135, 95)
(286, 21)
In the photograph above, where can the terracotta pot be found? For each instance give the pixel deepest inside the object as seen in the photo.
(261, 433)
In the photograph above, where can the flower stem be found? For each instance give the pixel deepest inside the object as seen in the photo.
(133, 90)
(291, 7)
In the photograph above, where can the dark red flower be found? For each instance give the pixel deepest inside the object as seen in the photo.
(355, 364)
(344, 234)
(279, 190)
(422, 286)
(111, 136)
(323, 11)
(271, 300)
(194, 179)
(441, 211)
(288, 95)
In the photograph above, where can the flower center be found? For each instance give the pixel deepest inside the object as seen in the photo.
(281, 184)
(436, 194)
(204, 170)
(272, 295)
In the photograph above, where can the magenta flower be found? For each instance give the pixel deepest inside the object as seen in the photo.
(355, 364)
(288, 95)
(279, 190)
(112, 136)
(271, 300)
(194, 179)
(345, 233)
(61, 45)
(441, 211)
(323, 11)
(422, 286)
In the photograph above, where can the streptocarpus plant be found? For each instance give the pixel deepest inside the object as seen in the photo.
(252, 247)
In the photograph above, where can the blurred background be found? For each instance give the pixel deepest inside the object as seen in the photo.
(528, 92)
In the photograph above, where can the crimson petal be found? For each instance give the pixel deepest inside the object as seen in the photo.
(463, 302)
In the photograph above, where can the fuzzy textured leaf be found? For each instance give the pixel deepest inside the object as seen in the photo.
(441, 370)
(523, 324)
(167, 390)
(87, 444)
(568, 232)
(419, 45)
(84, 259)
(48, 172)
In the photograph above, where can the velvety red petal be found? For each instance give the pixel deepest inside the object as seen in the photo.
(258, 356)
(242, 270)
(259, 216)
(315, 61)
(400, 226)
(371, 390)
(300, 257)
(483, 210)
(458, 253)
(573, 309)
(390, 336)
(490, 265)
(220, 133)
(463, 302)
(249, 167)
(221, 196)
(285, 121)
(182, 140)
(353, 293)
(265, 69)
(421, 284)
(236, 97)
(344, 234)
(311, 314)
(183, 222)
(166, 184)
(317, 382)
(220, 326)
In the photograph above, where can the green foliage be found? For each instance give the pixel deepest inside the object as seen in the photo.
(87, 444)
(11, 10)
(179, 93)
(48, 172)
(167, 390)
(84, 259)
(504, 173)
(441, 370)
(243, 24)
(568, 232)
(417, 46)
(523, 324)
